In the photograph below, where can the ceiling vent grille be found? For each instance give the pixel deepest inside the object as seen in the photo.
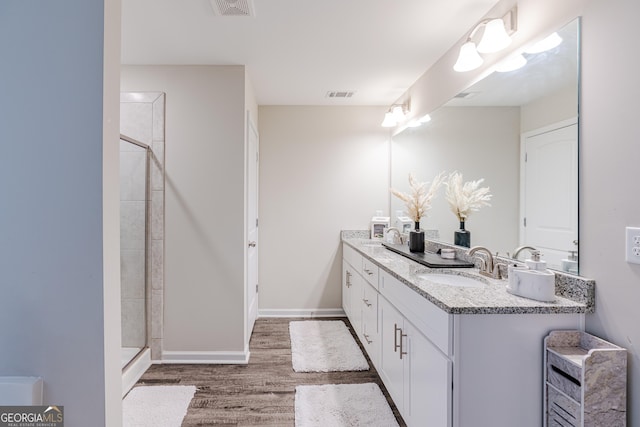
(232, 7)
(465, 95)
(340, 94)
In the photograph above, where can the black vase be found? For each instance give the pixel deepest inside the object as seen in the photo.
(462, 237)
(416, 239)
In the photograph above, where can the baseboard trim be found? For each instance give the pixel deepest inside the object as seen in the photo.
(205, 357)
(311, 313)
(134, 370)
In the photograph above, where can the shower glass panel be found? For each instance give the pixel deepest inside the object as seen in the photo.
(134, 166)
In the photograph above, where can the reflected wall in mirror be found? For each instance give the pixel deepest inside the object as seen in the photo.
(518, 131)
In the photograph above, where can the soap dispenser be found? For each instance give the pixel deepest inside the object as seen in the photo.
(533, 280)
(535, 263)
(570, 264)
(379, 226)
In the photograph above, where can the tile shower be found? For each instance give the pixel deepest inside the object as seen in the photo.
(142, 227)
(134, 160)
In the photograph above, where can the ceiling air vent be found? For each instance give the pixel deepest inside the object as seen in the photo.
(232, 7)
(340, 94)
(466, 95)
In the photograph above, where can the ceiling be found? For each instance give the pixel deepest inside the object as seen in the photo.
(298, 50)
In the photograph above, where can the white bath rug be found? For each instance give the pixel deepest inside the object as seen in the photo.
(342, 405)
(324, 346)
(156, 406)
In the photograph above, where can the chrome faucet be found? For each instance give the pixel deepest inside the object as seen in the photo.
(488, 267)
(522, 248)
(397, 240)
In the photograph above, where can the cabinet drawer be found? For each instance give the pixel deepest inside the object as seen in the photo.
(370, 335)
(430, 320)
(370, 272)
(370, 308)
(564, 375)
(561, 411)
(351, 256)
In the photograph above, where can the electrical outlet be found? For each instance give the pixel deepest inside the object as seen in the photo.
(633, 245)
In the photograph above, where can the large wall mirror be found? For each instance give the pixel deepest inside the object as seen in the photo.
(518, 131)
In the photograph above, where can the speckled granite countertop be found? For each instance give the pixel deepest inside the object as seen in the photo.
(489, 299)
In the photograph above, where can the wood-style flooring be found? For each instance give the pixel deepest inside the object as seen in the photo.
(260, 393)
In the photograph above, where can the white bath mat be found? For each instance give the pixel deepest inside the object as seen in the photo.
(324, 346)
(156, 406)
(342, 405)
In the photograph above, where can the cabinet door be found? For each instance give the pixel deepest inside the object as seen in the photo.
(391, 365)
(371, 338)
(347, 280)
(428, 382)
(355, 316)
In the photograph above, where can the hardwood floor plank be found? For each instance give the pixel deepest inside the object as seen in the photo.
(260, 393)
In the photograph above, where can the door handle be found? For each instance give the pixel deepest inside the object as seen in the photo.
(252, 244)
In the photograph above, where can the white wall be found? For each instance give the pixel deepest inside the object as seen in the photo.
(609, 154)
(204, 202)
(111, 215)
(550, 109)
(54, 312)
(322, 169)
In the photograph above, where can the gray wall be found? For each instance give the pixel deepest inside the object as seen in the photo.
(56, 203)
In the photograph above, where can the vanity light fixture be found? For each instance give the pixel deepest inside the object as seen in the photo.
(469, 58)
(545, 44)
(396, 115)
(419, 121)
(495, 37)
(389, 121)
(511, 63)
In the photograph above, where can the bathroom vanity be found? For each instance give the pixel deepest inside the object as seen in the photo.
(453, 348)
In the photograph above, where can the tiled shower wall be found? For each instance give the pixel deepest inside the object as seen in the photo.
(133, 236)
(142, 118)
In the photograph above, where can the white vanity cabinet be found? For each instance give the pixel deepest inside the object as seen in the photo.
(472, 364)
(359, 297)
(370, 329)
(415, 371)
(352, 284)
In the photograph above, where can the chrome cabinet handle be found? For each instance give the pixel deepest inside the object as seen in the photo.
(395, 338)
(252, 244)
(348, 283)
(369, 272)
(366, 338)
(366, 301)
(402, 353)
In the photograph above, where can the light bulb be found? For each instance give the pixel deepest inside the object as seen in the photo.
(549, 42)
(388, 121)
(398, 113)
(494, 38)
(468, 59)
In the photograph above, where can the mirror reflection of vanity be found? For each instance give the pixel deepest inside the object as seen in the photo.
(518, 131)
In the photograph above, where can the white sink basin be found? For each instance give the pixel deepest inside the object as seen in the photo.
(453, 280)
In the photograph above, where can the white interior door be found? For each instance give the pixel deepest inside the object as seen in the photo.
(252, 225)
(550, 192)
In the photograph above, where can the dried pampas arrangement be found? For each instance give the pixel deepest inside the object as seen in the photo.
(418, 201)
(465, 198)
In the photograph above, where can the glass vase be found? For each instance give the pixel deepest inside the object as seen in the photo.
(462, 237)
(416, 239)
